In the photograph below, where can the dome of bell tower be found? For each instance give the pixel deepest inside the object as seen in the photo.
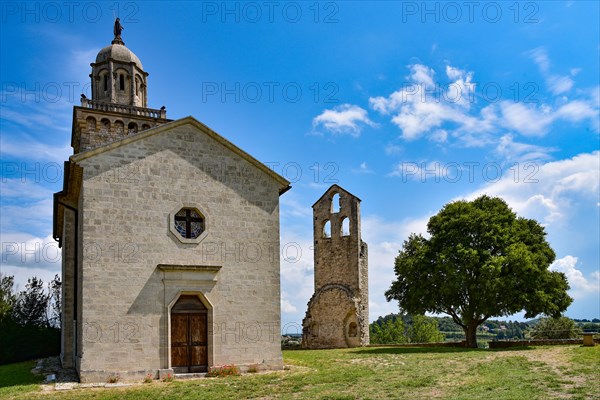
(118, 76)
(119, 104)
(120, 53)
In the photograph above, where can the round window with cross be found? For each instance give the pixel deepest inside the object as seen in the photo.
(189, 223)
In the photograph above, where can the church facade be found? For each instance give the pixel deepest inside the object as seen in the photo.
(169, 236)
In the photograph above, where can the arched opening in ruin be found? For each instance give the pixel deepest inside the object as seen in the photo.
(327, 229)
(336, 203)
(345, 231)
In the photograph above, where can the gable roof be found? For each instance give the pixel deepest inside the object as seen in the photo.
(337, 189)
(284, 183)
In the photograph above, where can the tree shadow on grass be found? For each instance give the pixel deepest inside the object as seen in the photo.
(18, 374)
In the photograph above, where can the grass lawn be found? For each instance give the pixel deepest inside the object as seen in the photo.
(16, 379)
(373, 373)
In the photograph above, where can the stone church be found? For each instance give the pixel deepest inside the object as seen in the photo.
(169, 236)
(338, 312)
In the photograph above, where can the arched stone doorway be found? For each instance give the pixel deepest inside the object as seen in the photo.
(189, 335)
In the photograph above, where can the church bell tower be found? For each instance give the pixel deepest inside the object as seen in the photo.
(119, 104)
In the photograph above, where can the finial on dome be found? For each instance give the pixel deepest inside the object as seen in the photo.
(118, 28)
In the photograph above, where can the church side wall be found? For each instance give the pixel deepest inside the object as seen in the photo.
(128, 195)
(68, 290)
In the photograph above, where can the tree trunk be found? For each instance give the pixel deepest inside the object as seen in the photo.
(471, 335)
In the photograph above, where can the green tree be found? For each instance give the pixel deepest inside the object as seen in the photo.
(390, 331)
(54, 301)
(31, 308)
(555, 328)
(424, 330)
(7, 298)
(480, 261)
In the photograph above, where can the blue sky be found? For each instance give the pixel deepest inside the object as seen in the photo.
(408, 105)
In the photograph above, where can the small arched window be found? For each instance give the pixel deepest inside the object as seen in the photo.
(119, 126)
(132, 127)
(327, 229)
(345, 226)
(121, 82)
(335, 203)
(105, 82)
(105, 123)
(91, 123)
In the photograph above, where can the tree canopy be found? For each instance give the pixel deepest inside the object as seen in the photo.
(480, 261)
(29, 319)
(555, 328)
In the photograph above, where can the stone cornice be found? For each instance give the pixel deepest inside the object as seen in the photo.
(198, 268)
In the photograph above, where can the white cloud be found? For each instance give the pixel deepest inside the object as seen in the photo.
(391, 148)
(297, 273)
(30, 149)
(540, 56)
(32, 216)
(25, 186)
(423, 108)
(512, 151)
(545, 191)
(344, 119)
(428, 171)
(26, 118)
(363, 168)
(22, 250)
(422, 74)
(580, 285)
(439, 136)
(525, 119)
(293, 207)
(385, 238)
(557, 84)
(286, 306)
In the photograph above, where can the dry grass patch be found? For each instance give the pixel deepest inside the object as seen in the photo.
(384, 373)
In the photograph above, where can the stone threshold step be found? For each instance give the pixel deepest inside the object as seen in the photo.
(191, 375)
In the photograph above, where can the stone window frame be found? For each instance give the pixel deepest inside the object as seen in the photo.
(176, 233)
(336, 203)
(326, 231)
(344, 220)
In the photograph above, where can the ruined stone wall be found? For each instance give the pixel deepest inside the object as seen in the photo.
(338, 314)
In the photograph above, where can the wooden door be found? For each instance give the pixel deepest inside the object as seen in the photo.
(189, 338)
